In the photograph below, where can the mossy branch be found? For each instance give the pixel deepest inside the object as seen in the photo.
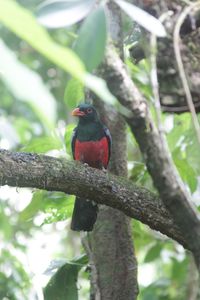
(58, 174)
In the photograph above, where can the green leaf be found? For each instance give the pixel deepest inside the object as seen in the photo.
(99, 87)
(62, 285)
(142, 236)
(81, 261)
(153, 253)
(33, 207)
(22, 23)
(91, 42)
(179, 269)
(192, 150)
(187, 173)
(193, 156)
(14, 16)
(56, 14)
(150, 295)
(68, 137)
(57, 205)
(177, 135)
(27, 86)
(74, 93)
(43, 144)
(144, 19)
(138, 172)
(17, 281)
(140, 73)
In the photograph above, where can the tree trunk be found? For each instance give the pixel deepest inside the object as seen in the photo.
(114, 267)
(172, 95)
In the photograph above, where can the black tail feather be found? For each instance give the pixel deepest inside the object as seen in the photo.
(84, 215)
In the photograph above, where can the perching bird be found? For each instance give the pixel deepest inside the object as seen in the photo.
(91, 144)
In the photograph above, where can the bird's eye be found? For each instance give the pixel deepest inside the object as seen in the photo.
(89, 110)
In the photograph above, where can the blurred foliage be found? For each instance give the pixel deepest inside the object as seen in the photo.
(62, 284)
(92, 55)
(36, 96)
(55, 204)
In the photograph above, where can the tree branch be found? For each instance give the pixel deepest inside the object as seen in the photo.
(58, 174)
(112, 240)
(154, 149)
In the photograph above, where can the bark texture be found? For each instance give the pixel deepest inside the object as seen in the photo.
(113, 260)
(111, 240)
(171, 91)
(155, 151)
(54, 174)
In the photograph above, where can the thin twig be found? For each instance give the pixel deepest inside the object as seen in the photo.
(154, 83)
(176, 38)
(154, 80)
(85, 239)
(192, 282)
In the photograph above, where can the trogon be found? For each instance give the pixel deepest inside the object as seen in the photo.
(91, 144)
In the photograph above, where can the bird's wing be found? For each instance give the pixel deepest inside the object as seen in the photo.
(109, 139)
(73, 140)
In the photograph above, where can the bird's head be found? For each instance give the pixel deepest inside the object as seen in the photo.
(85, 112)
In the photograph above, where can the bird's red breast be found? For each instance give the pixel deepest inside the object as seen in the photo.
(94, 153)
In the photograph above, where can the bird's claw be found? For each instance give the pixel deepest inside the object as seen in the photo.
(104, 170)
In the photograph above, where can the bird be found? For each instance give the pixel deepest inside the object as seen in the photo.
(91, 144)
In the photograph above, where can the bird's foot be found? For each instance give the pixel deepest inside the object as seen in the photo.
(104, 170)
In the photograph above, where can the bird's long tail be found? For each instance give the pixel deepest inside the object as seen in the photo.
(84, 215)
